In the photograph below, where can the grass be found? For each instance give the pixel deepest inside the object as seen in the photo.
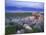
(10, 30)
(18, 14)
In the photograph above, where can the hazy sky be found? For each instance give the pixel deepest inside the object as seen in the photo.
(12, 5)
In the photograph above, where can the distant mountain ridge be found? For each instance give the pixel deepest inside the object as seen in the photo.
(11, 8)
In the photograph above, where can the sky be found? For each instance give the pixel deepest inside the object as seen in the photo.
(12, 6)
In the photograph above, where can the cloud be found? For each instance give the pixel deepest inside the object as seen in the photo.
(13, 6)
(24, 4)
